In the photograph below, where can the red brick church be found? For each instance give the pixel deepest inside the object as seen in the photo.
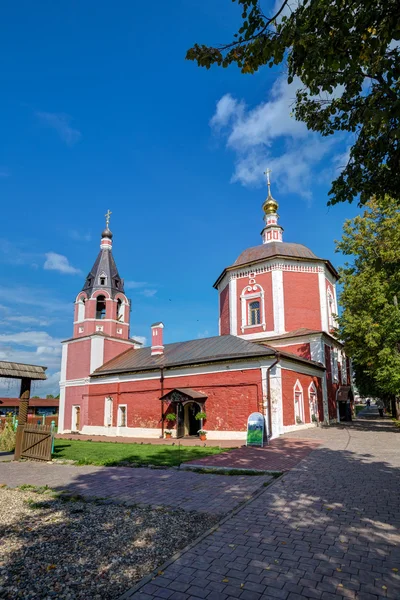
(275, 352)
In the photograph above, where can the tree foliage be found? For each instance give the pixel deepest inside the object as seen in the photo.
(346, 56)
(370, 322)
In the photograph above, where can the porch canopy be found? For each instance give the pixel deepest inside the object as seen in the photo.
(184, 395)
(344, 393)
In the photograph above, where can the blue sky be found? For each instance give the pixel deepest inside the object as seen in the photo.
(99, 109)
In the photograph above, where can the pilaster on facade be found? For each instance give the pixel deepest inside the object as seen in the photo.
(233, 306)
(323, 301)
(278, 301)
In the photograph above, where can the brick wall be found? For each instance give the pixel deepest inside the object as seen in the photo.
(232, 397)
(224, 311)
(78, 363)
(289, 379)
(301, 300)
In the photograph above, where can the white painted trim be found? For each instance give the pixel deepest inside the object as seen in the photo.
(264, 387)
(298, 389)
(61, 410)
(276, 400)
(96, 353)
(323, 301)
(102, 321)
(317, 350)
(301, 368)
(325, 399)
(64, 360)
(278, 301)
(147, 432)
(313, 390)
(233, 306)
(108, 412)
(257, 294)
(119, 415)
(289, 428)
(73, 417)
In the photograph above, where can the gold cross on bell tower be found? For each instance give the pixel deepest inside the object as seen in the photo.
(267, 172)
(107, 216)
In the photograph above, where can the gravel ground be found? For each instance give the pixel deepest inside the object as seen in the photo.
(72, 549)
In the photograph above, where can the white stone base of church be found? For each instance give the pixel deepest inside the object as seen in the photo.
(147, 432)
(299, 427)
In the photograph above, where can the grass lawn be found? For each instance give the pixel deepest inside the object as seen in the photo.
(113, 454)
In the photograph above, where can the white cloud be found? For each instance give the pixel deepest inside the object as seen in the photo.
(139, 338)
(268, 135)
(149, 293)
(30, 320)
(32, 338)
(74, 234)
(60, 263)
(61, 124)
(132, 285)
(37, 297)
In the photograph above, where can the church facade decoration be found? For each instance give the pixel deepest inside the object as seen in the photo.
(275, 354)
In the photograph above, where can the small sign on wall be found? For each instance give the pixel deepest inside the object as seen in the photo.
(255, 430)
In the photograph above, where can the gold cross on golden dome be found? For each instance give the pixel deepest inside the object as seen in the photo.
(267, 172)
(107, 216)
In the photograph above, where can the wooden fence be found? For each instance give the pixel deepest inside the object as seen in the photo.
(36, 442)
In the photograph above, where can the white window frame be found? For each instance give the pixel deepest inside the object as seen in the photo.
(119, 413)
(312, 390)
(251, 293)
(81, 309)
(108, 411)
(298, 390)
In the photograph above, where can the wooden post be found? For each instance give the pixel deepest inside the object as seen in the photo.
(22, 414)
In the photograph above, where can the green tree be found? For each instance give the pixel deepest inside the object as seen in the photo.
(345, 57)
(370, 322)
(49, 397)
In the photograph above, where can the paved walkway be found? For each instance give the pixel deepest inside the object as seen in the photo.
(281, 455)
(328, 529)
(217, 494)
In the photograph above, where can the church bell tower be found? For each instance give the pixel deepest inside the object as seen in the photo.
(101, 306)
(100, 333)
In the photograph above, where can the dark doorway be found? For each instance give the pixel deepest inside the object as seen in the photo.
(192, 425)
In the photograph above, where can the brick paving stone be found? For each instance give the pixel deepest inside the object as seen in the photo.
(337, 511)
(186, 490)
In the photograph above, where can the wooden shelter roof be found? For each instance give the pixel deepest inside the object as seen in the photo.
(20, 371)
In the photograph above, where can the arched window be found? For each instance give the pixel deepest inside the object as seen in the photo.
(254, 313)
(313, 400)
(100, 307)
(103, 279)
(298, 403)
(120, 310)
(81, 309)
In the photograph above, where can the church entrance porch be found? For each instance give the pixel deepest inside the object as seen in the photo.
(186, 403)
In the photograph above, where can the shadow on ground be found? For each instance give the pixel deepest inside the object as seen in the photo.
(330, 524)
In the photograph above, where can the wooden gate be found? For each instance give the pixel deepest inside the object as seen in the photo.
(36, 442)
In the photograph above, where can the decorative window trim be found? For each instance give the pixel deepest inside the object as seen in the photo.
(81, 309)
(119, 414)
(102, 276)
(312, 391)
(252, 292)
(108, 411)
(298, 392)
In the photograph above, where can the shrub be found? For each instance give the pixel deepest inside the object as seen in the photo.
(7, 437)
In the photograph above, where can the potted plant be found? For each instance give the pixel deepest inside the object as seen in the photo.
(170, 418)
(202, 435)
(201, 416)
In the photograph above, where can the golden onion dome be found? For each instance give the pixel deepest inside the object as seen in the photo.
(270, 206)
